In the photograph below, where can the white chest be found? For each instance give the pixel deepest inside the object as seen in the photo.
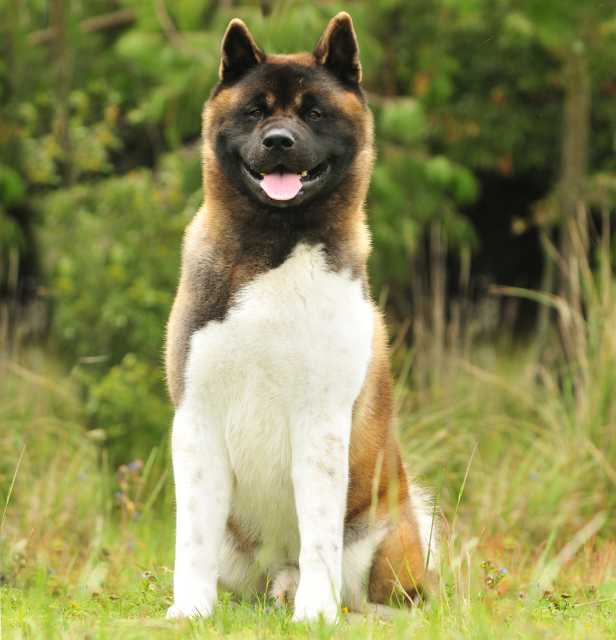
(297, 340)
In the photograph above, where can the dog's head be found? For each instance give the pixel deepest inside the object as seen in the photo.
(286, 130)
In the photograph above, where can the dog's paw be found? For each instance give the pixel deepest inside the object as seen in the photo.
(188, 611)
(284, 586)
(309, 611)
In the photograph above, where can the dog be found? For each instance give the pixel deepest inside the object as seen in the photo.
(289, 479)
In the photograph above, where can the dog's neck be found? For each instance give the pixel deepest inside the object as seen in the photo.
(245, 228)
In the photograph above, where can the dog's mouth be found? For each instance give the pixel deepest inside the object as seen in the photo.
(283, 184)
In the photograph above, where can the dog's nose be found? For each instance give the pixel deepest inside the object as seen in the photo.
(279, 140)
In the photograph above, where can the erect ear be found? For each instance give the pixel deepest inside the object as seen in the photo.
(239, 51)
(337, 49)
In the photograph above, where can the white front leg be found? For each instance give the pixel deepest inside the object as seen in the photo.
(203, 484)
(320, 481)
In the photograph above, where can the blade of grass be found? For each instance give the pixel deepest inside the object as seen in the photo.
(586, 604)
(8, 497)
(154, 494)
(468, 468)
(569, 550)
(438, 492)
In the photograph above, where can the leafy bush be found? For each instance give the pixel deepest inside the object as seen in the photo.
(128, 403)
(113, 257)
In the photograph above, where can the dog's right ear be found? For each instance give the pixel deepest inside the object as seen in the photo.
(239, 51)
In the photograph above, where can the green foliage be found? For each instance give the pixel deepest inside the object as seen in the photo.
(114, 257)
(12, 189)
(175, 85)
(410, 190)
(403, 121)
(93, 130)
(12, 192)
(113, 265)
(129, 404)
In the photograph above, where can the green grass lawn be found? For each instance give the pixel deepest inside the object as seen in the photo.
(134, 607)
(79, 537)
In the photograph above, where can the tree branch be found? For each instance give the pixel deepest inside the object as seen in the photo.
(174, 36)
(107, 21)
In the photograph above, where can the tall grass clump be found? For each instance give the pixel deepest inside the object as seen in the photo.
(64, 507)
(576, 397)
(59, 487)
(543, 416)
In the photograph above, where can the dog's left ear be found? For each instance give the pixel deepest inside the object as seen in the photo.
(337, 49)
(239, 51)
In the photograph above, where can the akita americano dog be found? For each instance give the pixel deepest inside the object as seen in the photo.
(287, 469)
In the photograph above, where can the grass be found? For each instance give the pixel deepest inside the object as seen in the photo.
(78, 538)
(131, 603)
(524, 447)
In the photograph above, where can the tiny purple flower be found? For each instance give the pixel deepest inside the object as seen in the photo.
(53, 573)
(117, 494)
(133, 466)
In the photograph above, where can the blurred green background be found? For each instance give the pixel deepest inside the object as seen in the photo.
(492, 211)
(495, 123)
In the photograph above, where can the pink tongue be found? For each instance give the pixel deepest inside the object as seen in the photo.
(281, 186)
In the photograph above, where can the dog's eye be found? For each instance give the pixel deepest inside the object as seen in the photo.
(256, 113)
(314, 114)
